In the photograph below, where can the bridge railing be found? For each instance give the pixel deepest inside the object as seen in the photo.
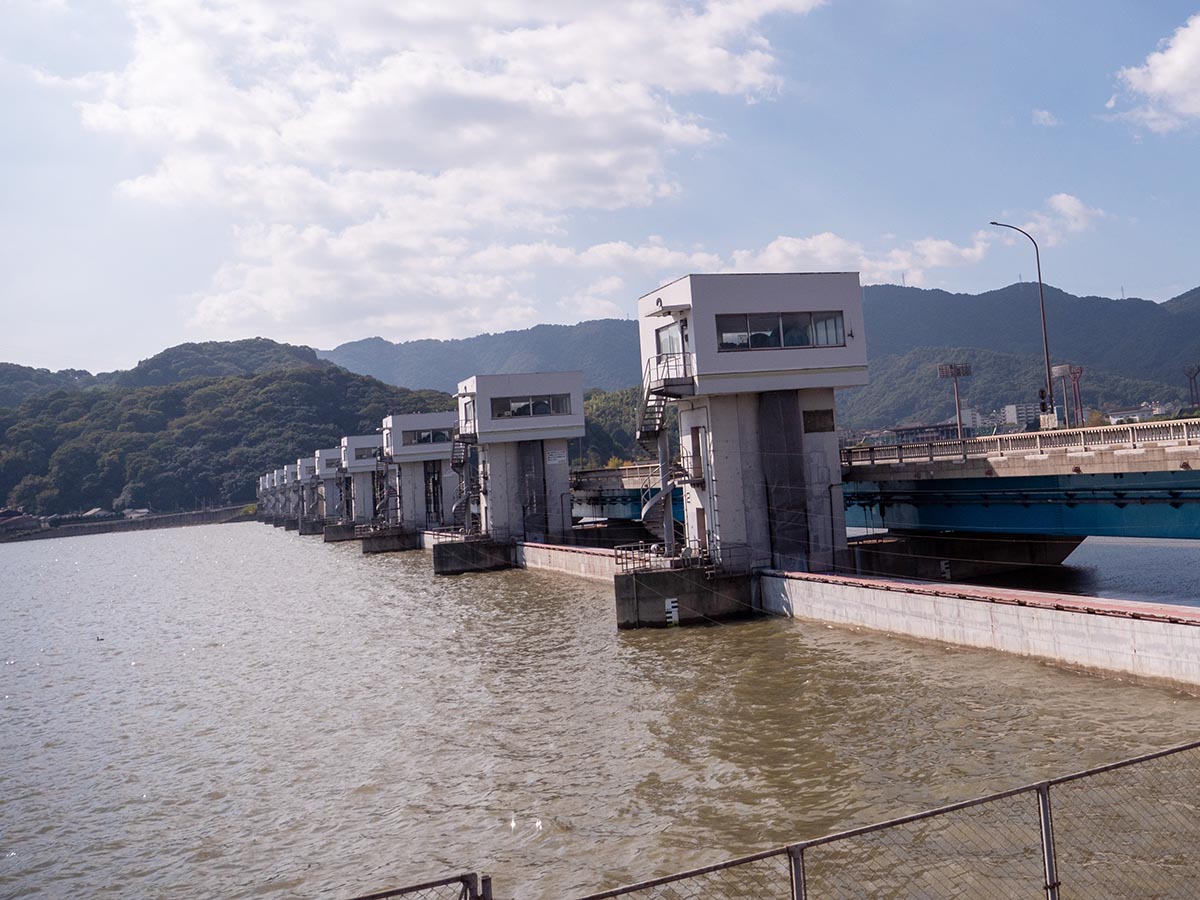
(1138, 434)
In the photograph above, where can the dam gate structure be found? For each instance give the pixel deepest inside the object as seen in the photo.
(515, 430)
(749, 362)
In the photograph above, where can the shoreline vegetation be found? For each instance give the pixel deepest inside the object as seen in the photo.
(242, 512)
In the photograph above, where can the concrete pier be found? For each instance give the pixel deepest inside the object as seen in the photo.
(291, 523)
(339, 532)
(389, 539)
(457, 557)
(683, 597)
(312, 526)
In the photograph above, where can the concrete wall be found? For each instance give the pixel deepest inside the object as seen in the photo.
(502, 485)
(1148, 642)
(735, 496)
(584, 562)
(411, 485)
(682, 597)
(481, 389)
(362, 489)
(394, 428)
(329, 502)
(707, 296)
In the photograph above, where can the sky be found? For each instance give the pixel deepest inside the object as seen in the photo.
(318, 172)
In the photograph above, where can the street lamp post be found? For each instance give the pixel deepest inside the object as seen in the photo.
(1042, 303)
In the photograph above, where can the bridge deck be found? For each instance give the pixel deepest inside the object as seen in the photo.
(1032, 446)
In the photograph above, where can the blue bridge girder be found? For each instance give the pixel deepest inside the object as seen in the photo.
(1128, 481)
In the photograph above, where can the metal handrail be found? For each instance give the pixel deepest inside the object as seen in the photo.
(1185, 431)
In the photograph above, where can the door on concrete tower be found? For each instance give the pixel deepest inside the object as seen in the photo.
(533, 489)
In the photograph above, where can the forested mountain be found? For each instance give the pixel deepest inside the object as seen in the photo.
(158, 437)
(1131, 350)
(1133, 338)
(905, 389)
(211, 358)
(18, 383)
(605, 349)
(214, 359)
(199, 422)
(179, 446)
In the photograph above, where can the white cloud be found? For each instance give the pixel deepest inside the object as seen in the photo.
(910, 263)
(405, 164)
(599, 300)
(1045, 118)
(1063, 215)
(1166, 88)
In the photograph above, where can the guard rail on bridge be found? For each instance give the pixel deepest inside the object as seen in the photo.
(1139, 434)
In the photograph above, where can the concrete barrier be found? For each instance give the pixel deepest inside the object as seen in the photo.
(457, 557)
(389, 540)
(584, 562)
(683, 597)
(1148, 642)
(339, 532)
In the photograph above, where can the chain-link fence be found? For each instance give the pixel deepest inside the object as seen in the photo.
(1128, 830)
(468, 886)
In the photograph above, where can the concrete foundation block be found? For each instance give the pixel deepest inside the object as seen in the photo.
(457, 557)
(291, 524)
(335, 533)
(683, 597)
(312, 526)
(390, 540)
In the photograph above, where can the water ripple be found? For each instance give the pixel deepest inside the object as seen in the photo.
(180, 720)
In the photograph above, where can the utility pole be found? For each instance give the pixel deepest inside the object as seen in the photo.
(955, 371)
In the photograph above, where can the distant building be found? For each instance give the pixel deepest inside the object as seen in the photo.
(1137, 414)
(1022, 413)
(918, 434)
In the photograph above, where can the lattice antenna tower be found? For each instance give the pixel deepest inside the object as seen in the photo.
(1076, 373)
(1193, 392)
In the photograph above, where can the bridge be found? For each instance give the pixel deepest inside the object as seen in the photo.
(957, 509)
(961, 509)
(1139, 480)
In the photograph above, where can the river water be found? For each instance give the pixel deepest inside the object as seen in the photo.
(236, 711)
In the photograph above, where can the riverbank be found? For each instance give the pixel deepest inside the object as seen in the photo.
(220, 516)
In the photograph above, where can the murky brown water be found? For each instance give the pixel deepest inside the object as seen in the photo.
(237, 711)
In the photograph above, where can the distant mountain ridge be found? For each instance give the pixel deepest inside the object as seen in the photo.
(605, 349)
(1131, 350)
(209, 359)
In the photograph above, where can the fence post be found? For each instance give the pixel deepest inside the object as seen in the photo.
(485, 889)
(1051, 864)
(796, 855)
